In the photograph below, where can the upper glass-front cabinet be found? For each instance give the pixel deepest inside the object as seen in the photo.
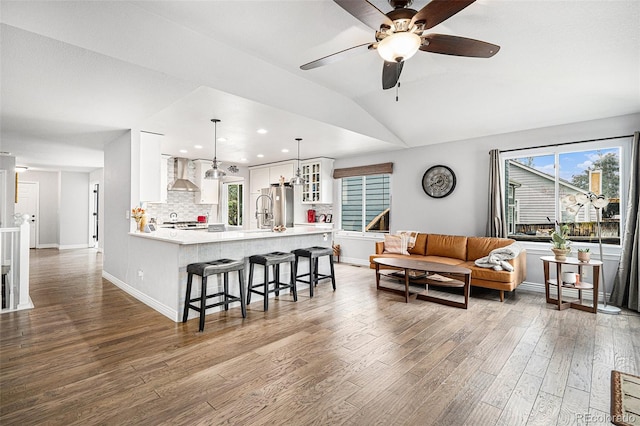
(318, 187)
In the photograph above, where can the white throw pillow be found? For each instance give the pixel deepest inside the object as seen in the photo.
(411, 237)
(395, 244)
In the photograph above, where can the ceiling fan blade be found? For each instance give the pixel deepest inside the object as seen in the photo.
(438, 11)
(391, 74)
(458, 46)
(334, 57)
(365, 12)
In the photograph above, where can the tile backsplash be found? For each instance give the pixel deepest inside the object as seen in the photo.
(181, 202)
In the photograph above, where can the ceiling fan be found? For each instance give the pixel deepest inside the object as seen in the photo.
(401, 34)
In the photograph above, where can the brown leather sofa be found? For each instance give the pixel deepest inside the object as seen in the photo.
(464, 251)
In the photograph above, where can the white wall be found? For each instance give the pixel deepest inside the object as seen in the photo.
(74, 210)
(464, 212)
(117, 193)
(8, 163)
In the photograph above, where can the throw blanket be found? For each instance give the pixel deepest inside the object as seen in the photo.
(497, 259)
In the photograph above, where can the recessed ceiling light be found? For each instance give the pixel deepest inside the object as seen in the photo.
(243, 159)
(197, 146)
(222, 139)
(184, 151)
(285, 150)
(260, 155)
(262, 131)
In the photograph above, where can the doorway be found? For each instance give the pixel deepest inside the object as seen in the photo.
(28, 196)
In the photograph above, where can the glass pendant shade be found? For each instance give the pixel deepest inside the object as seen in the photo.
(297, 179)
(214, 172)
(399, 47)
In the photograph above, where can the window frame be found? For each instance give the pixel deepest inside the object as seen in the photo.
(623, 144)
(363, 223)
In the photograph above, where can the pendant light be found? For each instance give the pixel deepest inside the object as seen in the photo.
(214, 172)
(297, 179)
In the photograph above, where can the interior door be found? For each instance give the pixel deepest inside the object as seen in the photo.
(28, 203)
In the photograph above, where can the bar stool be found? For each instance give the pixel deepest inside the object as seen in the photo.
(205, 269)
(313, 254)
(275, 259)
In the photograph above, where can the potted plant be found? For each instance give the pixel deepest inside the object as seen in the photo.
(584, 255)
(560, 240)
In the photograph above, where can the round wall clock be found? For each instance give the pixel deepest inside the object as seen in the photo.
(439, 181)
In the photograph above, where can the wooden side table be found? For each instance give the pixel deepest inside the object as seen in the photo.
(582, 285)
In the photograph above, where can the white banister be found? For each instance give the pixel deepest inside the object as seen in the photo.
(14, 256)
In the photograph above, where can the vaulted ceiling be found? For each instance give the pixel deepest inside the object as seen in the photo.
(77, 74)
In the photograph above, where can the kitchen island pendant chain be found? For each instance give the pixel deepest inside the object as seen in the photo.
(214, 172)
(297, 179)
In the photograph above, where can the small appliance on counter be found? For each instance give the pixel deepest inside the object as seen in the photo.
(311, 216)
(202, 219)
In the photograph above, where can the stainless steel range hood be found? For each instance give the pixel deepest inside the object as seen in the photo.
(182, 182)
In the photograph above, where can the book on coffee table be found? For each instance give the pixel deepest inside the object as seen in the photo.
(413, 274)
(437, 277)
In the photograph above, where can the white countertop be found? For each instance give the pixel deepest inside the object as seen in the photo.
(179, 236)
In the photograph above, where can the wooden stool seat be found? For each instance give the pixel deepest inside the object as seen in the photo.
(313, 254)
(205, 269)
(275, 259)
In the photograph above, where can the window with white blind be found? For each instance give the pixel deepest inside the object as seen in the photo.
(365, 203)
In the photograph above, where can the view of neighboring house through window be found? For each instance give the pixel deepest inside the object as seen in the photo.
(536, 184)
(365, 203)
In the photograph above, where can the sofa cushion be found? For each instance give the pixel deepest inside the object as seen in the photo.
(452, 246)
(420, 247)
(478, 247)
(395, 244)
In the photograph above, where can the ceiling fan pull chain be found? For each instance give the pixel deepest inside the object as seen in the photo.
(397, 90)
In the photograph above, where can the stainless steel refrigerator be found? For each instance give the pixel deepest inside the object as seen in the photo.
(279, 203)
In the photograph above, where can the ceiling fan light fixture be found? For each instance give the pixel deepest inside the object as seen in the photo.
(214, 172)
(399, 47)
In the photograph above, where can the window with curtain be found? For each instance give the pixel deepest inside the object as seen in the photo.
(536, 183)
(365, 203)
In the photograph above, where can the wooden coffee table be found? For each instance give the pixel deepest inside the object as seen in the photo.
(409, 265)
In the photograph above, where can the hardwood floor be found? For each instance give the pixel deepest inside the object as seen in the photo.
(91, 354)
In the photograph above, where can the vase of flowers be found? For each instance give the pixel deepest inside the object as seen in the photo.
(139, 215)
(560, 240)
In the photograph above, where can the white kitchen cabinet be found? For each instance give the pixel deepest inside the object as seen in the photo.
(258, 179)
(151, 172)
(164, 177)
(278, 170)
(209, 188)
(318, 187)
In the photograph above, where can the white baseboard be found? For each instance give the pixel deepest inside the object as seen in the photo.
(569, 292)
(73, 246)
(354, 261)
(20, 307)
(160, 307)
(46, 246)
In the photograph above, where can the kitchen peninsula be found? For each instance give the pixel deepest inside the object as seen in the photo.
(156, 270)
